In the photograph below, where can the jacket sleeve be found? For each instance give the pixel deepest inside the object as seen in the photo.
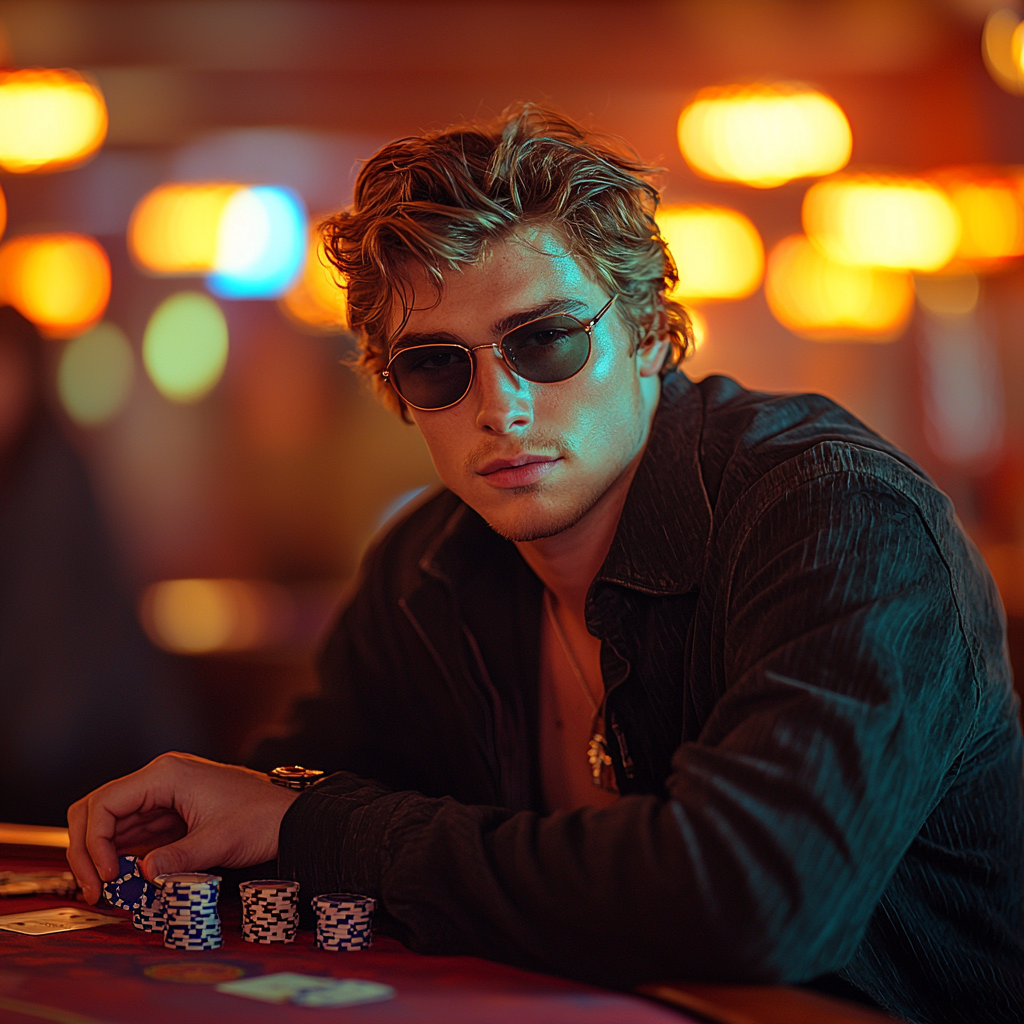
(849, 682)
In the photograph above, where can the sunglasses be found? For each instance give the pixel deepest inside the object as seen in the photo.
(544, 351)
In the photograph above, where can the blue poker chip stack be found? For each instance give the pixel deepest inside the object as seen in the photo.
(270, 910)
(191, 920)
(129, 891)
(344, 921)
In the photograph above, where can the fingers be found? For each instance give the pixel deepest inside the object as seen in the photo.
(93, 822)
(197, 851)
(78, 857)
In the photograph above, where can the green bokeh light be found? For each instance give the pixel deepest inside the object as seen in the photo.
(95, 375)
(185, 347)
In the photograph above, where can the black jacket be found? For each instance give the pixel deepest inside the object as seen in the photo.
(813, 730)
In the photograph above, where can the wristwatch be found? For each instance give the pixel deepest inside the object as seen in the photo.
(293, 776)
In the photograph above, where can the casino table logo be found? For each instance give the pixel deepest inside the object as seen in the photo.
(191, 973)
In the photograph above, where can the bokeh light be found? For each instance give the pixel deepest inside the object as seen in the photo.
(3, 212)
(261, 244)
(948, 294)
(1002, 46)
(173, 229)
(700, 328)
(60, 281)
(317, 298)
(185, 348)
(882, 221)
(204, 616)
(95, 375)
(764, 134)
(717, 251)
(49, 120)
(991, 211)
(820, 299)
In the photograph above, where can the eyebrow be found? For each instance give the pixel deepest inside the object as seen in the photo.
(501, 327)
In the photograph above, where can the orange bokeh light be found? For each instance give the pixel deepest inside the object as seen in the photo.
(317, 299)
(822, 300)
(61, 281)
(990, 202)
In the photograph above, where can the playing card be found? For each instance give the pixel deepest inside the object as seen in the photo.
(307, 990)
(57, 919)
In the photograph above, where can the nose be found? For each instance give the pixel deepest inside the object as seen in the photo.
(504, 402)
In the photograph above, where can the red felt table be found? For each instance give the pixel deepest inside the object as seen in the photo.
(116, 974)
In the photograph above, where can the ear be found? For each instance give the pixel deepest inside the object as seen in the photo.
(654, 346)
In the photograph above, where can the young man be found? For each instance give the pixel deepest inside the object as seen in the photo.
(671, 680)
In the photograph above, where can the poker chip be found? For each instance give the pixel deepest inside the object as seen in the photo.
(270, 910)
(129, 891)
(344, 921)
(149, 919)
(189, 904)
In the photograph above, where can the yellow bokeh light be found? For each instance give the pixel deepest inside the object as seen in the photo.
(175, 228)
(991, 210)
(1002, 46)
(882, 221)
(820, 299)
(764, 134)
(203, 616)
(61, 281)
(49, 120)
(717, 251)
(700, 328)
(317, 299)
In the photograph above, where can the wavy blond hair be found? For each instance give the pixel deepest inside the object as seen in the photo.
(439, 199)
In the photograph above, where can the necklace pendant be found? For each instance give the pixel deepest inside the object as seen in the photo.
(601, 773)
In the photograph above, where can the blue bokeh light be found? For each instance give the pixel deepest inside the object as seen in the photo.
(261, 244)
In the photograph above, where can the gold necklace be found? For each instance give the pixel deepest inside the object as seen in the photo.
(601, 773)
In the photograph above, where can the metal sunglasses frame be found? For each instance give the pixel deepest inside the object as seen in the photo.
(499, 351)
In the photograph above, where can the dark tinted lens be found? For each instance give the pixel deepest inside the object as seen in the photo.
(431, 376)
(548, 350)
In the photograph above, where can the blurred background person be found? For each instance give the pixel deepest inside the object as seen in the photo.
(83, 694)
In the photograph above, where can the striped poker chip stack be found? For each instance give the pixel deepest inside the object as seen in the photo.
(344, 921)
(151, 918)
(270, 910)
(191, 920)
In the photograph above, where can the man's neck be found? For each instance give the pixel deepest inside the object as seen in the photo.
(568, 562)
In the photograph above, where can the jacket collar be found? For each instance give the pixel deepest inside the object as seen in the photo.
(665, 524)
(663, 531)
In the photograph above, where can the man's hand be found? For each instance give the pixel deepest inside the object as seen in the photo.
(198, 813)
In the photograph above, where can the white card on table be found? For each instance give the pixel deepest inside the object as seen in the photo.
(57, 919)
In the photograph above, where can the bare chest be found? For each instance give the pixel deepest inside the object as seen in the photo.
(570, 699)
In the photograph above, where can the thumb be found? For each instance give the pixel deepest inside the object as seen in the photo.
(193, 853)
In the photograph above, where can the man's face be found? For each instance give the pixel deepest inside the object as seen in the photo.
(533, 459)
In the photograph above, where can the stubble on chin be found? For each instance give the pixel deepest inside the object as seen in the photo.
(525, 521)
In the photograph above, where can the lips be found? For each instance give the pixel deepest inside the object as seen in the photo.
(520, 471)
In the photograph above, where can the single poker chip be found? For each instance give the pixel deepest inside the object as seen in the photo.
(129, 891)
